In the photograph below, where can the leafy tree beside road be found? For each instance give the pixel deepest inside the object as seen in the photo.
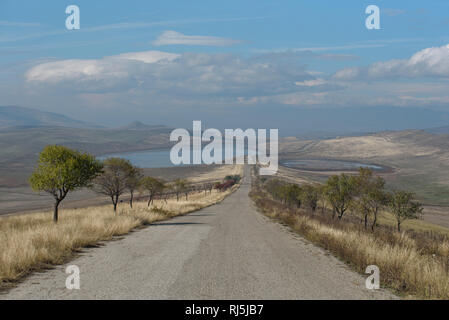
(364, 194)
(340, 192)
(153, 186)
(180, 186)
(404, 207)
(310, 196)
(61, 170)
(133, 182)
(114, 181)
(370, 195)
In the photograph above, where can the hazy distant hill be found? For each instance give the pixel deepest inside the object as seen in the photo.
(420, 159)
(137, 125)
(11, 116)
(20, 146)
(439, 130)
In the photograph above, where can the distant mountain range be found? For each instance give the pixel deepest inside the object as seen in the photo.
(11, 116)
(439, 130)
(24, 132)
(139, 126)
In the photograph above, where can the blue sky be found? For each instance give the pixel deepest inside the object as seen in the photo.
(161, 58)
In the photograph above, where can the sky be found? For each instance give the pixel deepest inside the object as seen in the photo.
(226, 62)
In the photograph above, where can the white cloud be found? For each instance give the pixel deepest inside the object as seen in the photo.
(429, 62)
(108, 68)
(343, 47)
(347, 73)
(163, 78)
(149, 56)
(311, 83)
(115, 26)
(364, 94)
(189, 75)
(173, 37)
(134, 25)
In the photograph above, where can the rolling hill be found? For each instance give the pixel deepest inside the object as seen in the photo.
(419, 159)
(12, 116)
(439, 130)
(20, 146)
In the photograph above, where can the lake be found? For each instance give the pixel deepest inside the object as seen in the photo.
(159, 158)
(145, 159)
(328, 165)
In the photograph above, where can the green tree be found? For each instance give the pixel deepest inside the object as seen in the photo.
(179, 186)
(153, 186)
(322, 191)
(370, 195)
(133, 182)
(340, 192)
(292, 194)
(61, 170)
(235, 177)
(208, 186)
(377, 198)
(310, 195)
(113, 182)
(404, 207)
(274, 187)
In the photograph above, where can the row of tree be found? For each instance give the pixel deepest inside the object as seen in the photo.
(363, 193)
(228, 182)
(61, 170)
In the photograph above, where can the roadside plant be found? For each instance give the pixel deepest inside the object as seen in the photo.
(340, 192)
(310, 196)
(404, 207)
(133, 182)
(113, 182)
(180, 186)
(370, 195)
(153, 186)
(61, 170)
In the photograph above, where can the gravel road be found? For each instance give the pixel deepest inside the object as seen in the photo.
(227, 251)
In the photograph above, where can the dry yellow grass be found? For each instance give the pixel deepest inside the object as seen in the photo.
(402, 266)
(218, 173)
(380, 145)
(32, 241)
(419, 225)
(411, 267)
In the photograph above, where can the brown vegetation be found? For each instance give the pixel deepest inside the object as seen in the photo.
(415, 264)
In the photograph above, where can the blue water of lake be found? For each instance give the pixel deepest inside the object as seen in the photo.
(328, 164)
(156, 158)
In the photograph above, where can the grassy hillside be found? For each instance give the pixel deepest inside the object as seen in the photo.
(419, 159)
(27, 117)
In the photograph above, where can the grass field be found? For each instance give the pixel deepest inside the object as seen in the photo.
(32, 241)
(413, 264)
(419, 160)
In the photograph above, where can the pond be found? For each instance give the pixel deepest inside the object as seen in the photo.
(159, 158)
(328, 165)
